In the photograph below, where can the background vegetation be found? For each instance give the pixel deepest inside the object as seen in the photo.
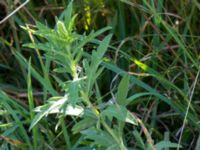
(106, 74)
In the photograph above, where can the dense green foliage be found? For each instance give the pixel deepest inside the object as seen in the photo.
(106, 74)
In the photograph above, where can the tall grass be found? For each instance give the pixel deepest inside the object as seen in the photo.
(101, 75)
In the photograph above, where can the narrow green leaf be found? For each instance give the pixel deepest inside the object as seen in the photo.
(135, 96)
(122, 91)
(31, 105)
(68, 14)
(166, 144)
(139, 140)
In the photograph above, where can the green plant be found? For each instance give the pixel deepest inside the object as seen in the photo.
(65, 48)
(101, 122)
(136, 91)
